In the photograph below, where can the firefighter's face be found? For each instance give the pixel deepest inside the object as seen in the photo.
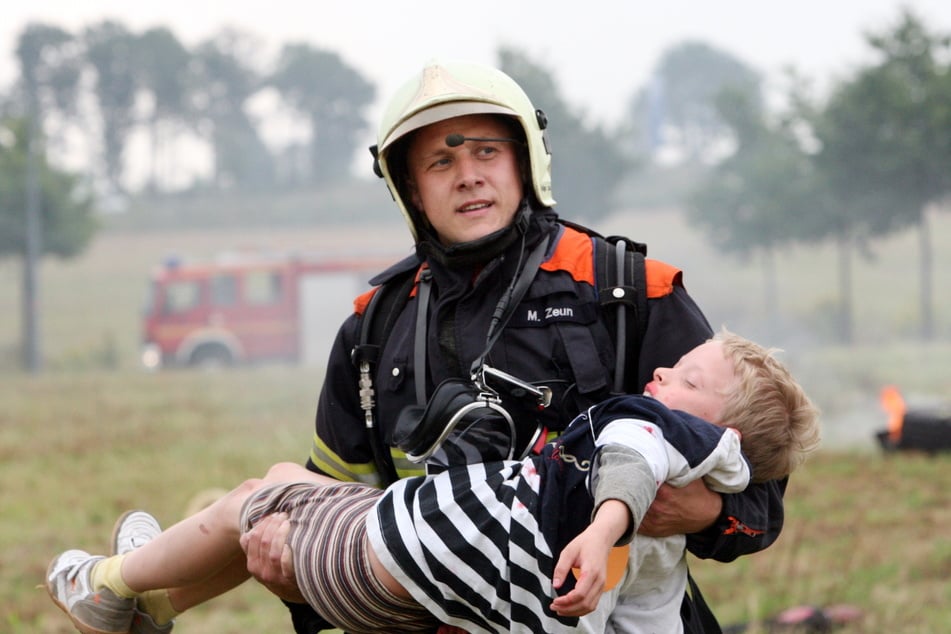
(468, 191)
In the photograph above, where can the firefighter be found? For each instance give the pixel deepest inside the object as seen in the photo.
(498, 280)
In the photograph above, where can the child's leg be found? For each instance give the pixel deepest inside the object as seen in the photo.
(231, 576)
(191, 551)
(100, 593)
(183, 598)
(333, 559)
(206, 544)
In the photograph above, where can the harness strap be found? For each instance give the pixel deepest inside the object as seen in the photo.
(419, 344)
(365, 356)
(705, 622)
(623, 283)
(620, 347)
(509, 301)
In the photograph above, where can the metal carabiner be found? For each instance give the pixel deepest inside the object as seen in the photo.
(541, 393)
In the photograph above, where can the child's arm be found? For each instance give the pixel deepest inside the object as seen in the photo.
(588, 552)
(624, 485)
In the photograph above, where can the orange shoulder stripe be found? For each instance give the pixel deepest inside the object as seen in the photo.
(574, 253)
(661, 278)
(362, 301)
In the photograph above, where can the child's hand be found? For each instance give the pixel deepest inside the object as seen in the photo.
(588, 554)
(589, 559)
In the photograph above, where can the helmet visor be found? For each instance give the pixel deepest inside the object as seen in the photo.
(441, 112)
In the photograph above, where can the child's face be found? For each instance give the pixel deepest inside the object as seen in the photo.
(698, 384)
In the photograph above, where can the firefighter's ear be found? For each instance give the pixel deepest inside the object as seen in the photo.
(413, 191)
(376, 161)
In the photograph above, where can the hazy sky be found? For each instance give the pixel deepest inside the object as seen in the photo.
(600, 50)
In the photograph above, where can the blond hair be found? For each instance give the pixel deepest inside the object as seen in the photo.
(779, 424)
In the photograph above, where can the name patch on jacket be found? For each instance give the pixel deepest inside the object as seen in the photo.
(544, 311)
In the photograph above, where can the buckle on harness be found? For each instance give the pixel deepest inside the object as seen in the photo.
(463, 405)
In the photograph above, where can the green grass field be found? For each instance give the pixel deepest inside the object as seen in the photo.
(94, 435)
(78, 449)
(862, 528)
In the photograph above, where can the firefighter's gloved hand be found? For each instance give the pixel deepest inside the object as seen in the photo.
(269, 557)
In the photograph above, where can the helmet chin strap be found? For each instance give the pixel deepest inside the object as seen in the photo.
(480, 250)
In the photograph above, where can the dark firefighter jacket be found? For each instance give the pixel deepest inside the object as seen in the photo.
(556, 337)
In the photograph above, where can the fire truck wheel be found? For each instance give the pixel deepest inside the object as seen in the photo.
(211, 357)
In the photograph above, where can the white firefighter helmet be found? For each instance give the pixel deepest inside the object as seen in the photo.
(451, 89)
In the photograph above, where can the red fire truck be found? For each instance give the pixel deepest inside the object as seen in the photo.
(247, 308)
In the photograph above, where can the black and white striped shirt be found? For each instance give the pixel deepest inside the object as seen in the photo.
(477, 544)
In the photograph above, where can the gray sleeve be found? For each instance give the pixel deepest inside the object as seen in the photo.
(620, 473)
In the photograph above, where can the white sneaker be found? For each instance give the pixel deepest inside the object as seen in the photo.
(132, 530)
(92, 612)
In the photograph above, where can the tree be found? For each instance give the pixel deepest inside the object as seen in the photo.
(680, 98)
(110, 50)
(886, 139)
(47, 69)
(50, 69)
(162, 65)
(222, 80)
(331, 96)
(65, 203)
(764, 196)
(66, 215)
(587, 163)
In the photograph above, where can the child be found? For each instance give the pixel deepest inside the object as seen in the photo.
(485, 547)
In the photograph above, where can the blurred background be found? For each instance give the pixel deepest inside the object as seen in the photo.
(793, 159)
